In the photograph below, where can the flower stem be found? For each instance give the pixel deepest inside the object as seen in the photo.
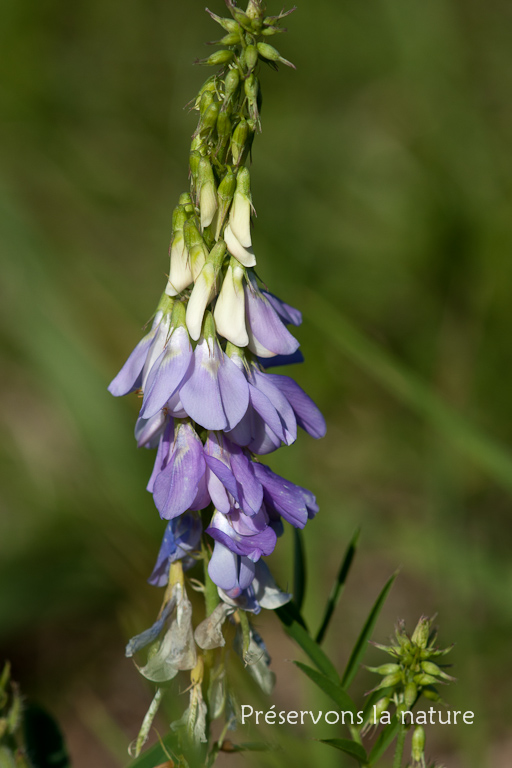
(399, 751)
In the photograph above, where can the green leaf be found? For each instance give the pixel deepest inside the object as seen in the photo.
(43, 739)
(333, 690)
(360, 647)
(338, 586)
(301, 636)
(384, 739)
(299, 569)
(349, 747)
(289, 612)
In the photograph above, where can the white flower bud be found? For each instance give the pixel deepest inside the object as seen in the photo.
(229, 314)
(244, 255)
(207, 193)
(180, 274)
(202, 293)
(205, 289)
(240, 215)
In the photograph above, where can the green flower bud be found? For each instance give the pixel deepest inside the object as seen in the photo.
(268, 31)
(421, 633)
(195, 158)
(232, 38)
(225, 194)
(385, 669)
(223, 127)
(207, 192)
(206, 99)
(218, 58)
(238, 140)
(179, 217)
(271, 54)
(251, 88)
(228, 24)
(209, 119)
(251, 57)
(185, 199)
(239, 16)
(424, 679)
(432, 695)
(195, 246)
(418, 744)
(410, 694)
(231, 83)
(432, 669)
(380, 707)
(391, 680)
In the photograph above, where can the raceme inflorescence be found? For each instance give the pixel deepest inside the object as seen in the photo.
(210, 406)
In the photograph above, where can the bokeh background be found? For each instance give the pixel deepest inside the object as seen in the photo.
(383, 186)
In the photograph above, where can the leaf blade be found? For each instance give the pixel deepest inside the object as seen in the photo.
(351, 748)
(338, 586)
(333, 690)
(360, 647)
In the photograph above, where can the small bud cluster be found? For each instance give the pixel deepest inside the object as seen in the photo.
(412, 674)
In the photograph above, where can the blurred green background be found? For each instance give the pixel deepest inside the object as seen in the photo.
(383, 186)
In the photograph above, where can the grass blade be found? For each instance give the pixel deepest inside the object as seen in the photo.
(338, 586)
(351, 748)
(333, 690)
(360, 647)
(298, 632)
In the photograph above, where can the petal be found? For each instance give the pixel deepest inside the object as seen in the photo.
(180, 274)
(285, 497)
(268, 335)
(223, 567)
(167, 373)
(177, 484)
(273, 362)
(129, 377)
(200, 393)
(287, 313)
(229, 313)
(244, 255)
(307, 413)
(202, 293)
(234, 391)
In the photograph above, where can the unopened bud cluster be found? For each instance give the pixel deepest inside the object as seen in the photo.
(413, 673)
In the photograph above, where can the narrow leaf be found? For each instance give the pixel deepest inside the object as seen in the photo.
(333, 690)
(299, 569)
(157, 754)
(298, 633)
(338, 586)
(360, 647)
(349, 747)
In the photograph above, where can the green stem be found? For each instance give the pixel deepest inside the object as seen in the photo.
(211, 594)
(399, 751)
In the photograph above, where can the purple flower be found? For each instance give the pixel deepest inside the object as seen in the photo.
(287, 313)
(177, 486)
(263, 592)
(135, 371)
(268, 336)
(182, 536)
(285, 499)
(278, 360)
(167, 373)
(276, 405)
(231, 572)
(250, 537)
(215, 393)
